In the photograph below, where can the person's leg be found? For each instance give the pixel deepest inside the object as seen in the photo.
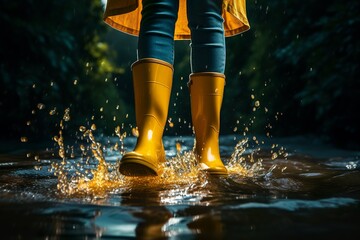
(152, 77)
(156, 38)
(207, 80)
(207, 35)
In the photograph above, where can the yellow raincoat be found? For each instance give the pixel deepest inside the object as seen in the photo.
(125, 15)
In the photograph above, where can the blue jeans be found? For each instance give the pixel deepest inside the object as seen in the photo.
(156, 38)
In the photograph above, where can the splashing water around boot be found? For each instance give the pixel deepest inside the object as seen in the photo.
(92, 175)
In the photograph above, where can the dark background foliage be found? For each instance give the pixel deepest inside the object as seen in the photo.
(293, 73)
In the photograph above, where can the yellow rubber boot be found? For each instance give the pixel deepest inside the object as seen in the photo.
(152, 87)
(206, 94)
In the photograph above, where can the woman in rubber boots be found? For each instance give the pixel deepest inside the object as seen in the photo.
(158, 23)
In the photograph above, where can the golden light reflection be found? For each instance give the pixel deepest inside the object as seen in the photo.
(210, 156)
(150, 134)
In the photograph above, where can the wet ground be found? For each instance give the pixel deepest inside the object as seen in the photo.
(312, 191)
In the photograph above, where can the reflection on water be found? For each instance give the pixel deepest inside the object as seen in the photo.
(307, 190)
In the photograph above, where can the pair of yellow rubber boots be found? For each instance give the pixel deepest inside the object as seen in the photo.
(152, 89)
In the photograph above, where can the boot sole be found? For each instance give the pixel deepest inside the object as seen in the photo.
(216, 172)
(136, 168)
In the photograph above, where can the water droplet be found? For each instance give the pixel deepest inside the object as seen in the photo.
(52, 111)
(62, 153)
(116, 147)
(41, 106)
(37, 168)
(67, 115)
(117, 130)
(135, 132)
(178, 147)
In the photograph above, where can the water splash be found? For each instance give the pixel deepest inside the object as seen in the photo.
(92, 175)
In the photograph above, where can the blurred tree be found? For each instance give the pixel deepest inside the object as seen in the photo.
(54, 53)
(303, 63)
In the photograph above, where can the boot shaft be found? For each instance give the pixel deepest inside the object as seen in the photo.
(152, 80)
(206, 94)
